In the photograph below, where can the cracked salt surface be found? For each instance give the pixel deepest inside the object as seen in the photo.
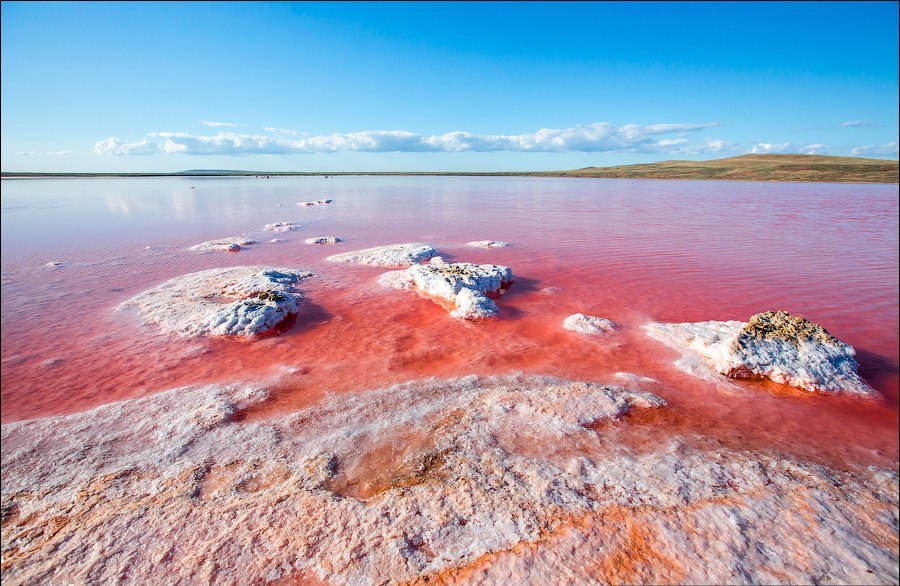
(477, 480)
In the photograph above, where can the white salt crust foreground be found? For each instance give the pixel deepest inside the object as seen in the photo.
(472, 480)
(237, 301)
(822, 364)
(233, 244)
(394, 255)
(462, 287)
(588, 324)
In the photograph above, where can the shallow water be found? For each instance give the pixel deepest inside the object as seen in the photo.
(629, 250)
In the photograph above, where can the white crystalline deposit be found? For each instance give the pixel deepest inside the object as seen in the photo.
(395, 255)
(462, 287)
(318, 202)
(238, 301)
(503, 478)
(588, 324)
(227, 244)
(281, 226)
(488, 244)
(323, 240)
(777, 345)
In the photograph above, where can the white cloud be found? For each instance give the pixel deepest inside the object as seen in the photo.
(208, 123)
(765, 148)
(856, 123)
(876, 150)
(598, 137)
(44, 154)
(282, 131)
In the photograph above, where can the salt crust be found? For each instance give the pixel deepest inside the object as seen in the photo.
(509, 485)
(281, 226)
(237, 301)
(318, 202)
(488, 244)
(806, 363)
(323, 240)
(395, 255)
(232, 244)
(588, 324)
(463, 286)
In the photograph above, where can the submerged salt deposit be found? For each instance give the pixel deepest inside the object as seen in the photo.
(488, 244)
(499, 479)
(463, 288)
(588, 324)
(776, 345)
(233, 244)
(281, 226)
(394, 255)
(237, 301)
(319, 240)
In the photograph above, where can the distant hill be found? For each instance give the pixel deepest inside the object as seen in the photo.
(743, 168)
(757, 168)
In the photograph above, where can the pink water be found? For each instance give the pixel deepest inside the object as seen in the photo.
(629, 250)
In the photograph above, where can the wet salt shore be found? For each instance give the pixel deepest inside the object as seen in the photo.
(787, 486)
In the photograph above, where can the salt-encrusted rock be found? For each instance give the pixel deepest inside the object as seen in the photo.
(227, 244)
(588, 324)
(281, 226)
(238, 301)
(323, 240)
(785, 348)
(500, 478)
(395, 255)
(489, 244)
(462, 288)
(318, 202)
(472, 304)
(53, 264)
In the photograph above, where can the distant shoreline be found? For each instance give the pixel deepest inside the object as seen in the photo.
(778, 168)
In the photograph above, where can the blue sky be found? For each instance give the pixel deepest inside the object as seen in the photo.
(460, 86)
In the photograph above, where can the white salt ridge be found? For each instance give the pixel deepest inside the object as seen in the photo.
(237, 301)
(394, 255)
(233, 244)
(588, 324)
(319, 240)
(488, 244)
(498, 478)
(318, 202)
(807, 364)
(463, 286)
(281, 226)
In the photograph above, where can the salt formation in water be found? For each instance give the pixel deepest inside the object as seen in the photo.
(488, 244)
(588, 324)
(238, 301)
(504, 479)
(462, 288)
(777, 345)
(318, 202)
(395, 255)
(323, 240)
(227, 244)
(280, 226)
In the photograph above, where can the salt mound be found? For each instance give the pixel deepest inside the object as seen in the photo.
(777, 345)
(227, 244)
(462, 288)
(238, 301)
(502, 478)
(323, 240)
(588, 324)
(395, 255)
(281, 226)
(318, 202)
(488, 244)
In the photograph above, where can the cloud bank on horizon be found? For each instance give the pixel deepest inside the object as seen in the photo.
(590, 138)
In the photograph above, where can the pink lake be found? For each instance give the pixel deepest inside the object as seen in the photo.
(629, 250)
